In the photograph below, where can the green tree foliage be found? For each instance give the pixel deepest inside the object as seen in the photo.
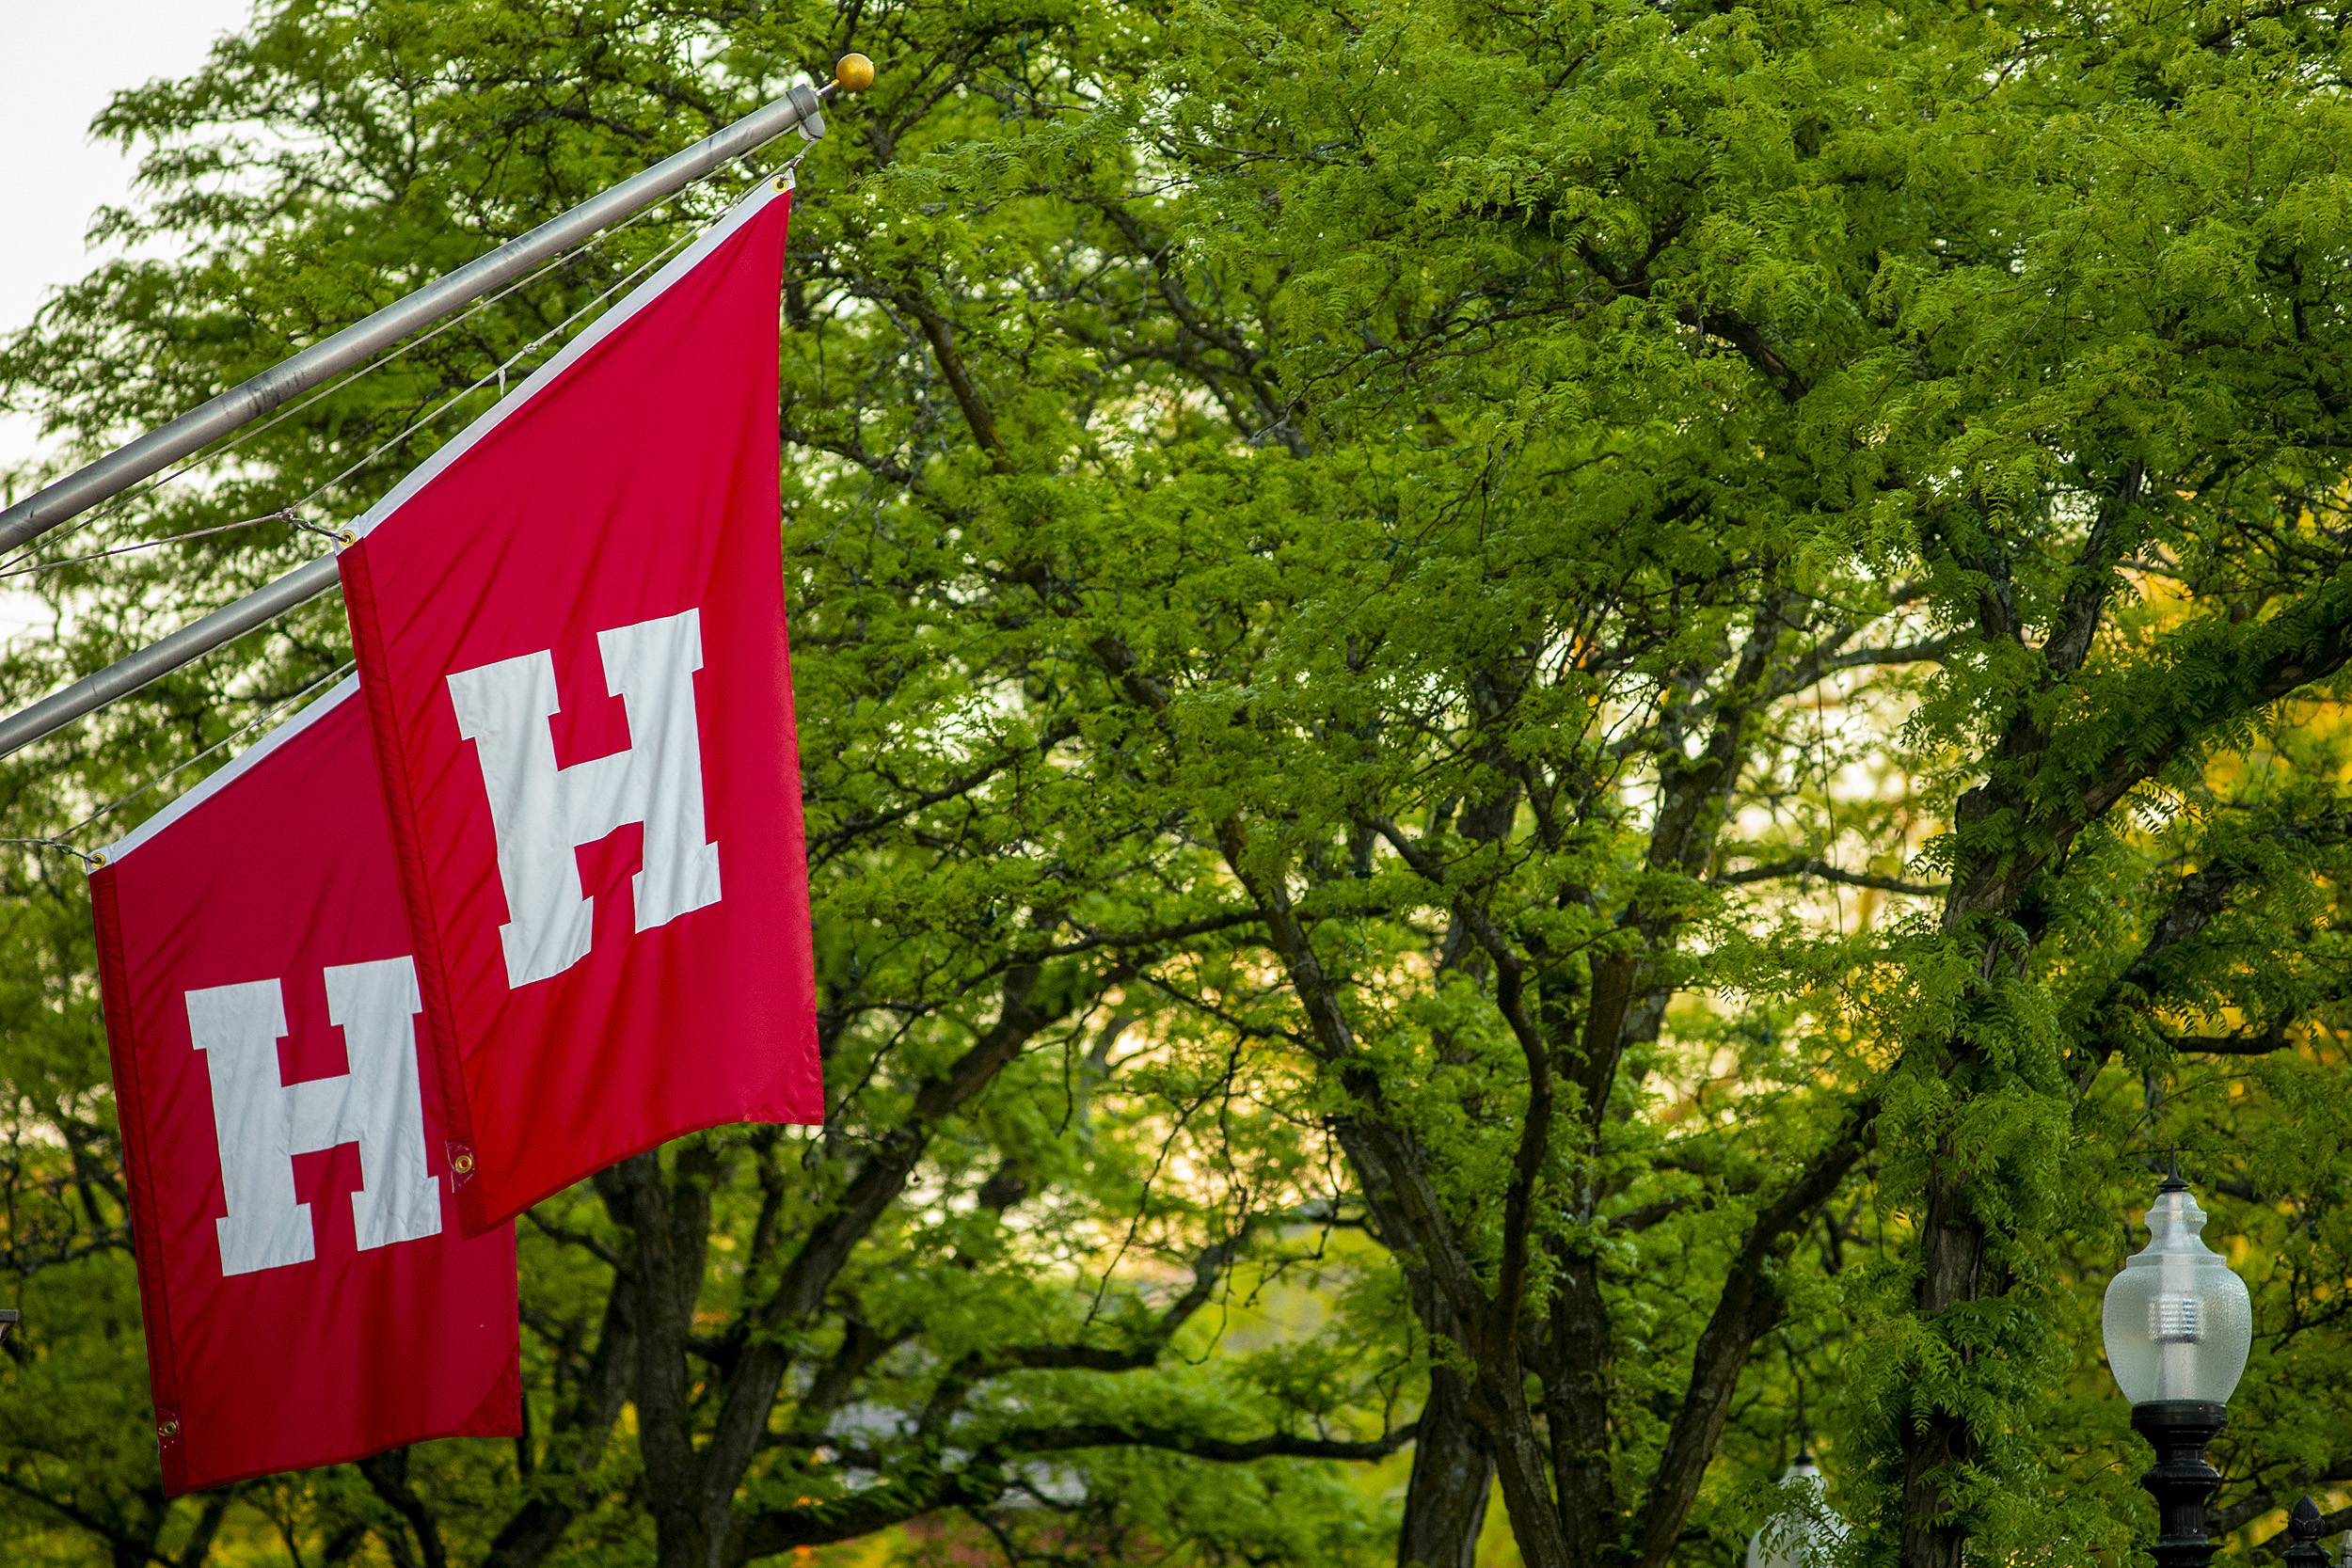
(1558, 737)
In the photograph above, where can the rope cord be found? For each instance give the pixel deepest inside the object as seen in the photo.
(92, 859)
(88, 860)
(284, 513)
(229, 739)
(291, 513)
(497, 375)
(120, 503)
(114, 508)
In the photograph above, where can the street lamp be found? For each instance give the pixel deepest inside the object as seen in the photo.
(2178, 1324)
(1804, 1533)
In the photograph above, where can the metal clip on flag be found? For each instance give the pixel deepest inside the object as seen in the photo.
(308, 1296)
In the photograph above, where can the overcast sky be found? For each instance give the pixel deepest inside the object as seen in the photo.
(60, 61)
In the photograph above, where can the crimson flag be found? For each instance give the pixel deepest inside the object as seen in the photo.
(570, 629)
(308, 1296)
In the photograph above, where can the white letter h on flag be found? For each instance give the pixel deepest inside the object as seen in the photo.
(260, 1122)
(541, 813)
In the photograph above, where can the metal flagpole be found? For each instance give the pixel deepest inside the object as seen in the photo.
(127, 465)
(193, 641)
(200, 427)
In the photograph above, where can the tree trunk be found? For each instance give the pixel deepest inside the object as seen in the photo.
(1454, 1474)
(669, 1229)
(1576, 1408)
(1519, 1463)
(1952, 1251)
(1453, 1465)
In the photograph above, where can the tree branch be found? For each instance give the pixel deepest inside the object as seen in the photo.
(1198, 1446)
(940, 335)
(1824, 664)
(387, 1475)
(2255, 665)
(1750, 1304)
(928, 1488)
(1803, 866)
(742, 1420)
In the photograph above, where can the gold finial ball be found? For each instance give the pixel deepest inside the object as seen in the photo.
(855, 73)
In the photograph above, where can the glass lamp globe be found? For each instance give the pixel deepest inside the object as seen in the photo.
(2176, 1320)
(1804, 1532)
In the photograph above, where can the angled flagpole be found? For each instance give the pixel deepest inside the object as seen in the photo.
(191, 641)
(200, 427)
(125, 467)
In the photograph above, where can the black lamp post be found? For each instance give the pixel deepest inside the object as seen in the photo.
(2178, 1324)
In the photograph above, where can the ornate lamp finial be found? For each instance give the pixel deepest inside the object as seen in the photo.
(2303, 1527)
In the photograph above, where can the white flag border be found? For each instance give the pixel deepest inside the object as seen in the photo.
(635, 300)
(341, 693)
(426, 472)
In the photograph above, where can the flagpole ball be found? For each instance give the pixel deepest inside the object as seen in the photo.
(855, 73)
